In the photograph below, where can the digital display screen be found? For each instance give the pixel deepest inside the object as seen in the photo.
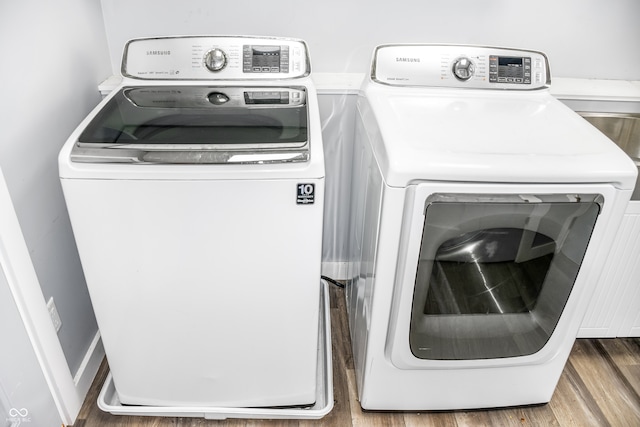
(265, 59)
(266, 56)
(272, 97)
(510, 67)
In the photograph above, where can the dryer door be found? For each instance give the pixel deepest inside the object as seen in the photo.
(492, 273)
(495, 272)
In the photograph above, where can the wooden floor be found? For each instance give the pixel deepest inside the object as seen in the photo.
(600, 386)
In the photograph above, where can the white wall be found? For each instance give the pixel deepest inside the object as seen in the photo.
(338, 117)
(54, 54)
(583, 38)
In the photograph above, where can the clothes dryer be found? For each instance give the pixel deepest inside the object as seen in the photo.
(195, 191)
(483, 211)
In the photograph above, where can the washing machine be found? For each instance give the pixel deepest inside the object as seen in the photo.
(196, 192)
(483, 211)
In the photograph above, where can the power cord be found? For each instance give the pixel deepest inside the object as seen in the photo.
(332, 281)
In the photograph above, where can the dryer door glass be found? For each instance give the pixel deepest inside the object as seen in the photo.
(495, 272)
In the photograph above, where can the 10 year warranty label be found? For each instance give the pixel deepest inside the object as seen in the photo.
(306, 194)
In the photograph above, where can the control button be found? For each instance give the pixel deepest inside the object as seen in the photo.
(215, 60)
(217, 98)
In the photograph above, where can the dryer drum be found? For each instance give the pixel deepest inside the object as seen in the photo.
(466, 280)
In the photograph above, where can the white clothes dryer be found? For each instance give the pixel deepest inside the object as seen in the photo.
(195, 191)
(483, 211)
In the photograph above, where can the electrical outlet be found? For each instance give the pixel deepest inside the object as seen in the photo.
(53, 312)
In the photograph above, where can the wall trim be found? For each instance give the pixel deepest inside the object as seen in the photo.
(89, 367)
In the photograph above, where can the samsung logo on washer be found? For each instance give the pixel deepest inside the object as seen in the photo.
(158, 52)
(402, 59)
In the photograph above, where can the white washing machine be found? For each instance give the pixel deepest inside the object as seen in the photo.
(483, 212)
(195, 191)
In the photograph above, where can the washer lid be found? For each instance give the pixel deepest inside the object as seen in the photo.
(198, 124)
(486, 136)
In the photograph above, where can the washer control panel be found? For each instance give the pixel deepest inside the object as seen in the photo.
(216, 97)
(215, 58)
(460, 66)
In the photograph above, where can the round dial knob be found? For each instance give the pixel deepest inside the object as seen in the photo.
(463, 68)
(215, 59)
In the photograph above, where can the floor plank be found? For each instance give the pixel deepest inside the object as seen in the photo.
(624, 357)
(573, 404)
(600, 386)
(620, 406)
(539, 415)
(430, 419)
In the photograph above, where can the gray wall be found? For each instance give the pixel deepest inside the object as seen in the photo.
(23, 387)
(54, 56)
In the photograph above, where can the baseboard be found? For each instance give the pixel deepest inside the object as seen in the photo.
(633, 332)
(89, 366)
(590, 332)
(336, 270)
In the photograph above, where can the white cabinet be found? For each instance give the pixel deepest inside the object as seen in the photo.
(614, 309)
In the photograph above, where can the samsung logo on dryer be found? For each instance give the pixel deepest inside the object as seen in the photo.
(158, 52)
(405, 59)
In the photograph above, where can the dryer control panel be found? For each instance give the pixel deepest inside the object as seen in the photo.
(215, 58)
(460, 66)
